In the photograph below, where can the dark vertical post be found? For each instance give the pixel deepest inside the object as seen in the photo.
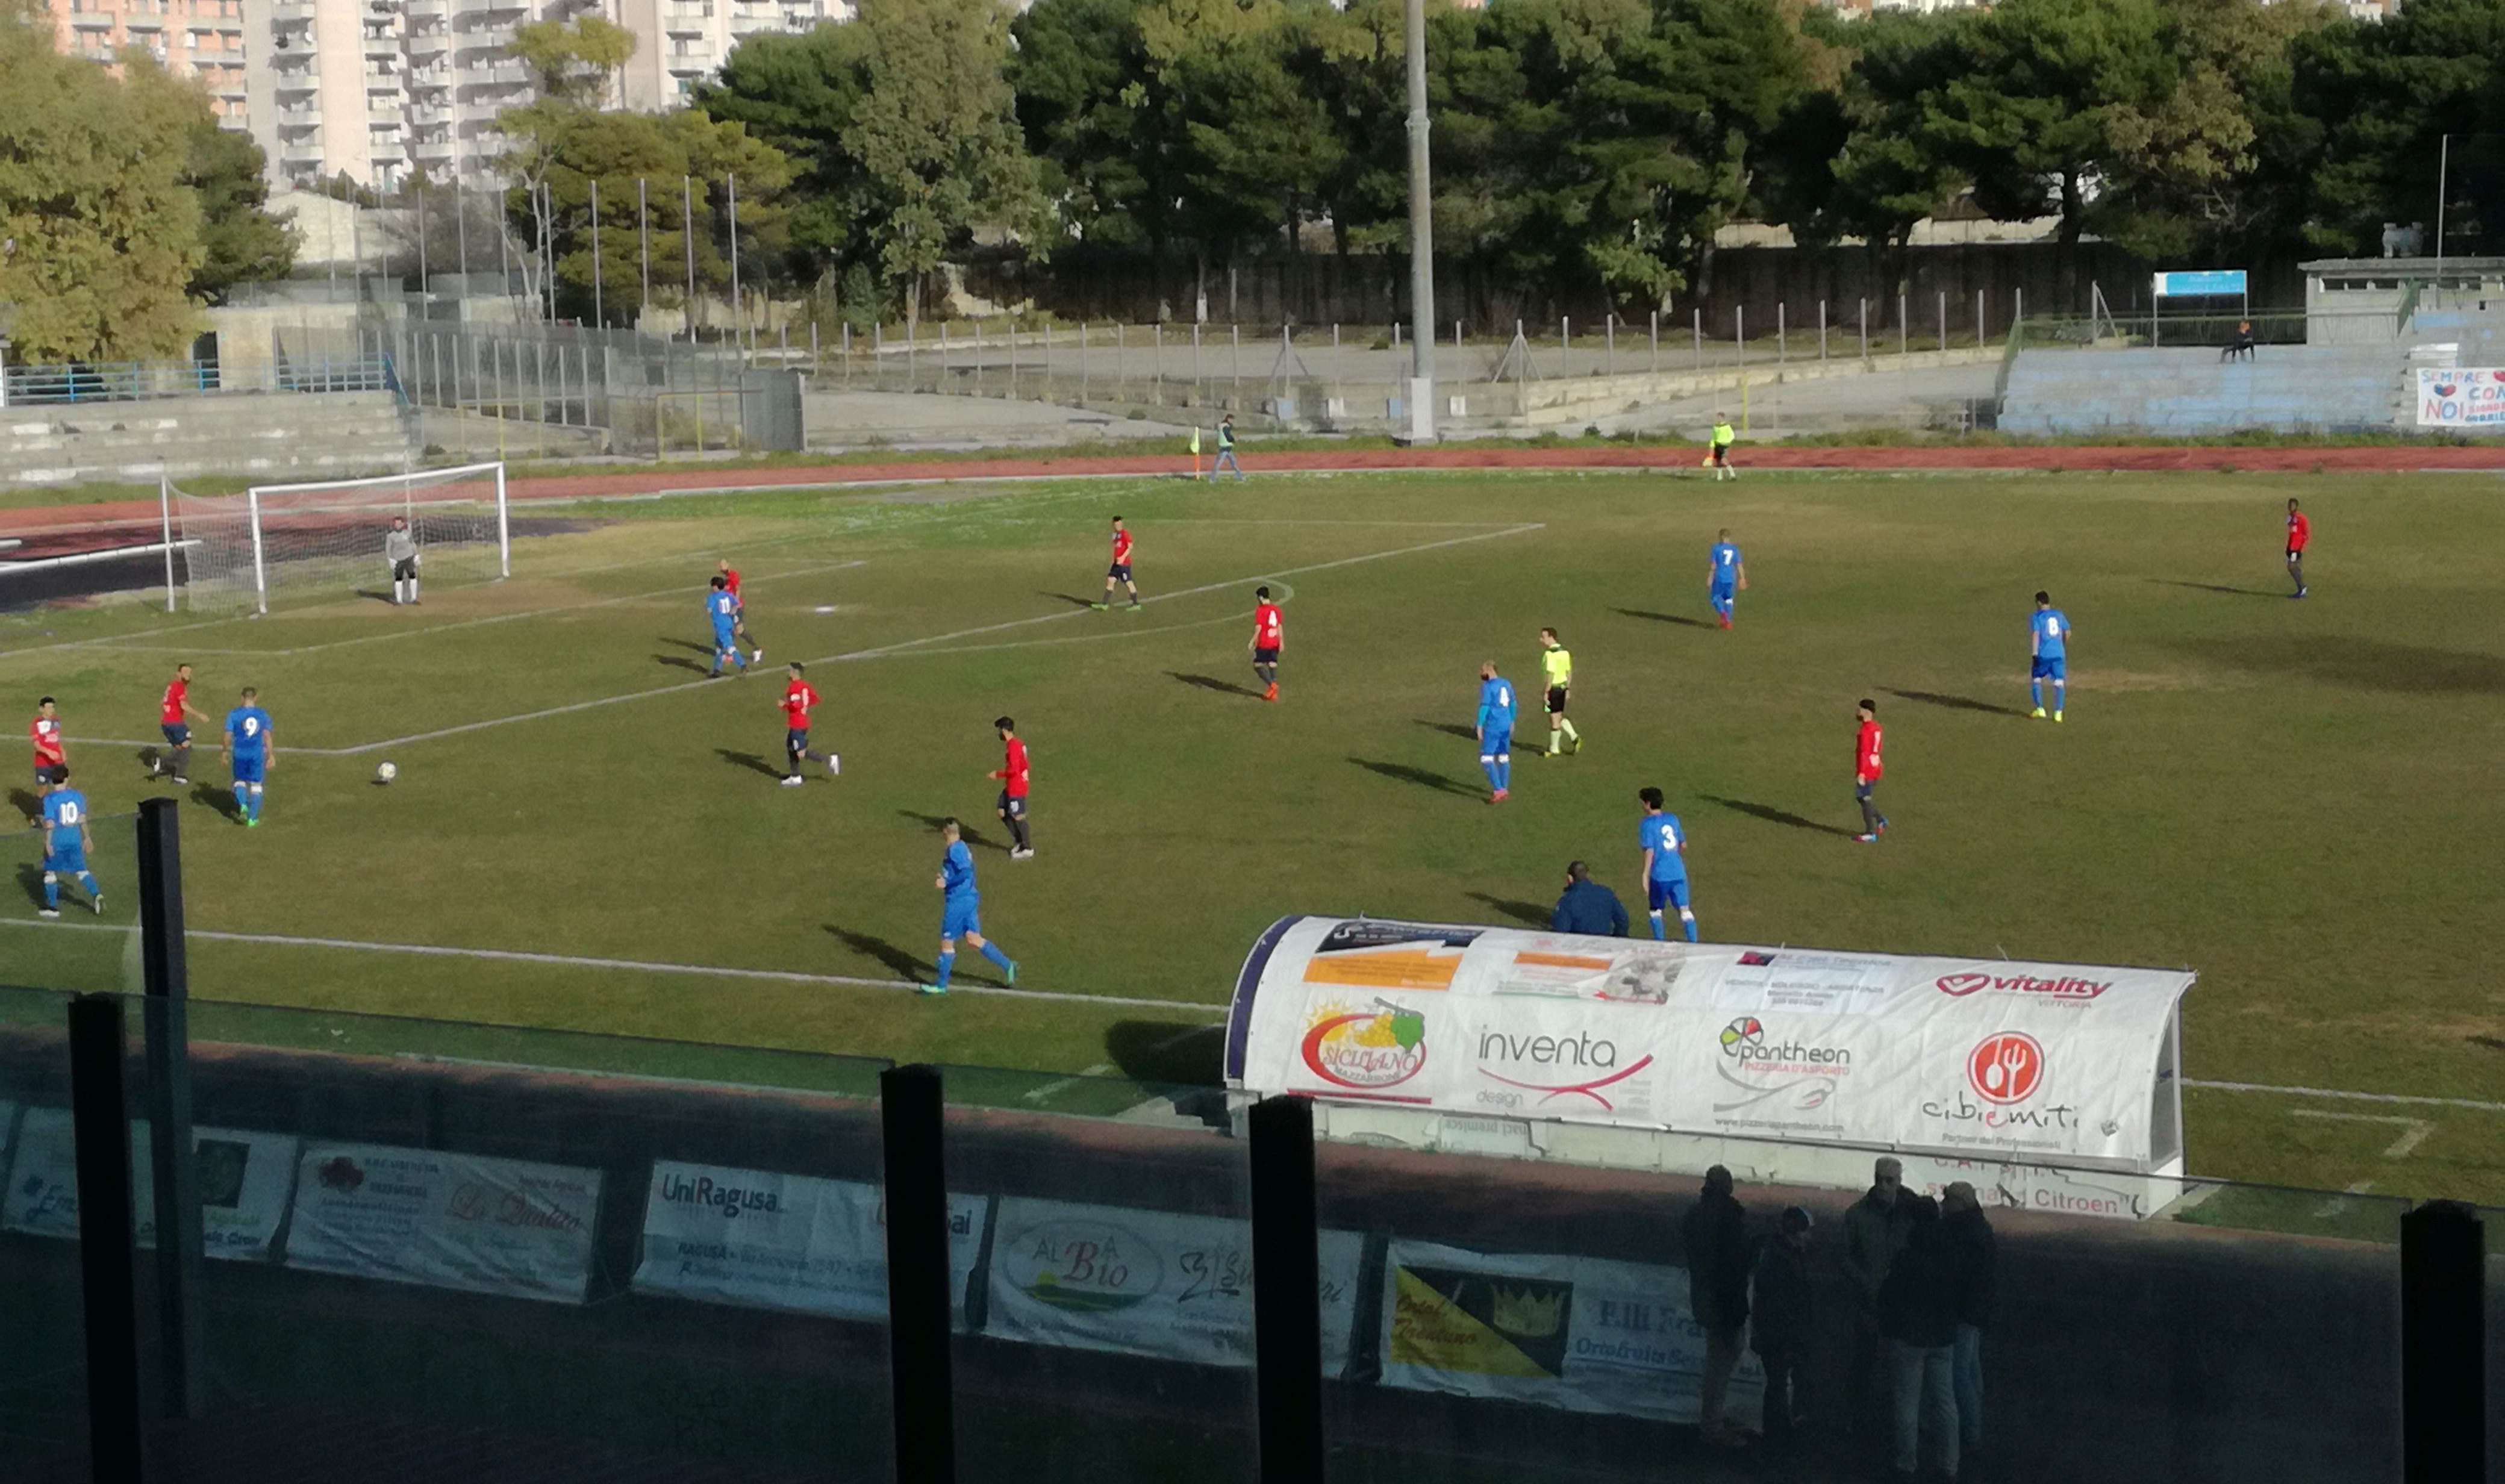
(1287, 1287)
(107, 1270)
(918, 1333)
(176, 1192)
(2443, 1345)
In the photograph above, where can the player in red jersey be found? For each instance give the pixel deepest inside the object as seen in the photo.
(1013, 774)
(739, 624)
(52, 763)
(174, 758)
(798, 695)
(2300, 533)
(1867, 770)
(1120, 571)
(1268, 627)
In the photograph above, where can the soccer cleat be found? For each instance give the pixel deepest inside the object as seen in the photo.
(1023, 853)
(1008, 976)
(1883, 824)
(1099, 607)
(98, 902)
(182, 782)
(1136, 607)
(1726, 621)
(756, 656)
(1270, 694)
(252, 822)
(834, 764)
(47, 911)
(2038, 714)
(2057, 716)
(1866, 840)
(1500, 796)
(933, 990)
(794, 781)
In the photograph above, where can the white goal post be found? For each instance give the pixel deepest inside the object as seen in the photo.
(239, 550)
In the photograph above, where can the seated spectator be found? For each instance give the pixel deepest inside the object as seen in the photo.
(1588, 906)
(2240, 348)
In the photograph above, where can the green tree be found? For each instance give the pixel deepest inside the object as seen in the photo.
(240, 241)
(1101, 121)
(104, 230)
(799, 94)
(574, 62)
(937, 140)
(2384, 96)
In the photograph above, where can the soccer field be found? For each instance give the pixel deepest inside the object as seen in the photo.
(2292, 798)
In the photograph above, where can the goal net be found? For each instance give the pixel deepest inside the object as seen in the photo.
(325, 539)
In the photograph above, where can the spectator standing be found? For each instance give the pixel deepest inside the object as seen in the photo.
(1226, 450)
(1782, 1316)
(1976, 1255)
(1714, 1233)
(1874, 1228)
(1588, 906)
(1917, 1307)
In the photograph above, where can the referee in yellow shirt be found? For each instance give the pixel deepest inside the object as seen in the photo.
(1559, 666)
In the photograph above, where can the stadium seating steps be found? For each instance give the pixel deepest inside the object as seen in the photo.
(2283, 388)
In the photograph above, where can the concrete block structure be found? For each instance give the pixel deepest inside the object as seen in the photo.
(2192, 392)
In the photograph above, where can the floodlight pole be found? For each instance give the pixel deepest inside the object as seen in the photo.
(1421, 240)
(2443, 166)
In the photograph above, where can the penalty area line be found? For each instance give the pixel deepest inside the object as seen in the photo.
(2417, 1100)
(637, 965)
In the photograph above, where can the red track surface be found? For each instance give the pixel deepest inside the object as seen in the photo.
(2095, 460)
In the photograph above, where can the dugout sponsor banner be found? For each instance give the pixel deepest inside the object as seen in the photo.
(243, 1178)
(792, 1242)
(2041, 1061)
(1583, 1333)
(2463, 397)
(1147, 1282)
(446, 1220)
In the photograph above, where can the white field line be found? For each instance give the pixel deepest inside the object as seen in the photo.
(2413, 1131)
(903, 646)
(635, 965)
(2354, 1097)
(1038, 1094)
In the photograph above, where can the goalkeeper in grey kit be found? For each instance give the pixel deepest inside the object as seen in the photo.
(400, 548)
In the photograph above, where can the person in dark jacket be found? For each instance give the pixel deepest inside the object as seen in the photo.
(1918, 1317)
(1977, 1258)
(1588, 906)
(1874, 1233)
(1714, 1233)
(1782, 1319)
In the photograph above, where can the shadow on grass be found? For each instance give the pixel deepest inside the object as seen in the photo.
(1403, 772)
(688, 645)
(748, 760)
(30, 878)
(1647, 613)
(1450, 729)
(1069, 598)
(2362, 664)
(1167, 1051)
(1527, 912)
(1954, 702)
(27, 804)
(2238, 593)
(966, 830)
(893, 959)
(1213, 682)
(1774, 816)
(222, 801)
(681, 662)
(376, 594)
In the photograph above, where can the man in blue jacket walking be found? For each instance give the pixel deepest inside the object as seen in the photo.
(1588, 906)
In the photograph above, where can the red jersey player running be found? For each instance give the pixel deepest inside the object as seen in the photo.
(1013, 774)
(1866, 772)
(52, 765)
(798, 697)
(1268, 627)
(739, 623)
(1120, 571)
(2300, 531)
(174, 758)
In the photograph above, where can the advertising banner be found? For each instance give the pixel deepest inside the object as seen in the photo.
(446, 1220)
(2041, 1061)
(1582, 1333)
(2204, 283)
(1147, 1282)
(792, 1242)
(243, 1179)
(2460, 396)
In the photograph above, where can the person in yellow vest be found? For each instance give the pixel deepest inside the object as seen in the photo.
(1721, 457)
(1557, 663)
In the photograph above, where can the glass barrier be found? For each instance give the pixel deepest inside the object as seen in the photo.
(1547, 1320)
(1106, 1328)
(80, 949)
(43, 1363)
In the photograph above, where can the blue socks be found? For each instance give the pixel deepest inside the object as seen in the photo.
(1503, 774)
(1487, 766)
(1658, 936)
(2035, 688)
(1687, 925)
(992, 951)
(947, 966)
(51, 892)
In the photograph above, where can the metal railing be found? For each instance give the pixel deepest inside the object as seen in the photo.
(143, 380)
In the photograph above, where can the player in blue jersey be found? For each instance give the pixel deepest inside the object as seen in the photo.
(721, 606)
(962, 916)
(1729, 574)
(66, 843)
(1665, 865)
(1496, 731)
(249, 748)
(2048, 633)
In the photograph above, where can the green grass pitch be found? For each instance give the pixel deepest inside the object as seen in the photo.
(2294, 798)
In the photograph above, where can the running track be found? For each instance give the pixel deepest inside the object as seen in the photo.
(609, 483)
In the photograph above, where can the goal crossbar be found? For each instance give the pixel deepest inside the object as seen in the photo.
(323, 532)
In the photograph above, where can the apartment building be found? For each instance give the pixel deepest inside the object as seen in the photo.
(192, 38)
(680, 42)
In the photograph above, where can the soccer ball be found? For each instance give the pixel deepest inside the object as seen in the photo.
(386, 772)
